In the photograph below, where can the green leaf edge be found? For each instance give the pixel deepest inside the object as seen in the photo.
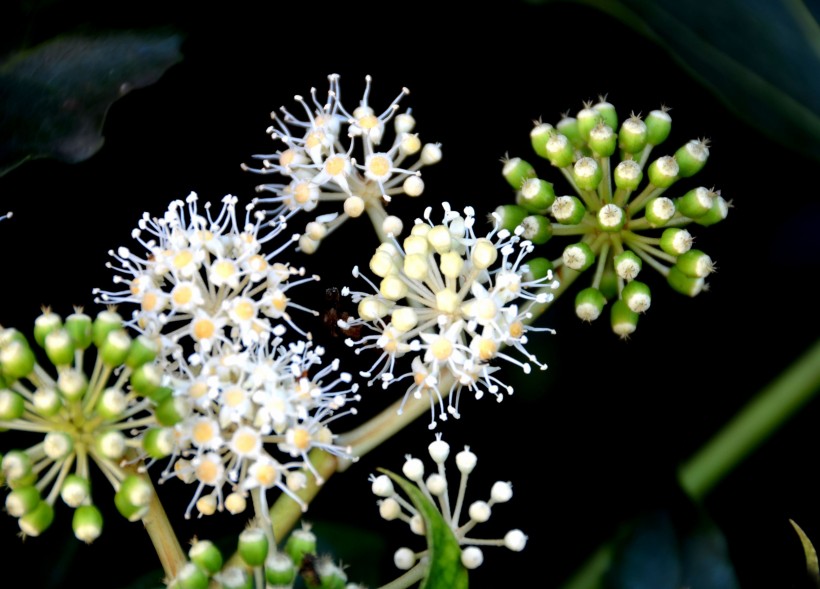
(445, 570)
(812, 565)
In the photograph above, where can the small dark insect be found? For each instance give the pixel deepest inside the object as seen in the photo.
(308, 569)
(333, 313)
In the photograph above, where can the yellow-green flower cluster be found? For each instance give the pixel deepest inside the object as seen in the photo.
(59, 421)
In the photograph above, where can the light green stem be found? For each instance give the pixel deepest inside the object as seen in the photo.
(285, 512)
(412, 576)
(162, 535)
(767, 411)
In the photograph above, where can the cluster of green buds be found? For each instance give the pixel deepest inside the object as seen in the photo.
(621, 216)
(75, 419)
(258, 564)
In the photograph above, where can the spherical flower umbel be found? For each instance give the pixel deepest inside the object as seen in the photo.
(451, 301)
(334, 155)
(460, 516)
(626, 212)
(204, 280)
(248, 419)
(77, 419)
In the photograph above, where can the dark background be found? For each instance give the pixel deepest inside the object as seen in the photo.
(588, 445)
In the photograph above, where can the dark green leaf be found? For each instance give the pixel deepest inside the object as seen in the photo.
(446, 570)
(759, 57)
(54, 97)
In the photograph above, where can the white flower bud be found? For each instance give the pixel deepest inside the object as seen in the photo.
(389, 509)
(382, 486)
(430, 154)
(472, 557)
(413, 469)
(392, 225)
(439, 451)
(437, 484)
(515, 540)
(501, 492)
(404, 559)
(417, 525)
(480, 511)
(413, 186)
(466, 461)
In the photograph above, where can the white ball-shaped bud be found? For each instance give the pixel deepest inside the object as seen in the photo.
(417, 525)
(515, 540)
(354, 206)
(439, 451)
(501, 492)
(389, 509)
(392, 225)
(413, 469)
(437, 484)
(404, 559)
(308, 245)
(472, 557)
(235, 503)
(480, 511)
(430, 154)
(466, 461)
(413, 186)
(382, 486)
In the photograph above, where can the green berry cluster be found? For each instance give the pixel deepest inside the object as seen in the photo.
(625, 210)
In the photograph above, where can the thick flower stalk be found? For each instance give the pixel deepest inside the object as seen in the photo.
(451, 301)
(245, 421)
(330, 154)
(461, 517)
(621, 216)
(204, 281)
(75, 419)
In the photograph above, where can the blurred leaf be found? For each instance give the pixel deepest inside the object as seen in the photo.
(356, 547)
(446, 570)
(54, 97)
(812, 566)
(759, 57)
(659, 553)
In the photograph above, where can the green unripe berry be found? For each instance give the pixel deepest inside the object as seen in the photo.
(190, 576)
(633, 135)
(206, 555)
(253, 547)
(22, 500)
(143, 350)
(602, 140)
(87, 523)
(684, 284)
(45, 324)
(695, 203)
(105, 323)
(537, 229)
(627, 175)
(537, 268)
(627, 264)
(79, 326)
(560, 151)
(16, 359)
(516, 170)
(695, 264)
(279, 570)
(663, 172)
(37, 520)
(578, 256)
(587, 173)
(133, 497)
(611, 218)
(692, 157)
(637, 296)
(568, 127)
(12, 405)
(568, 210)
(299, 543)
(718, 212)
(658, 126)
(676, 241)
(623, 320)
(536, 196)
(539, 136)
(589, 303)
(659, 211)
(587, 118)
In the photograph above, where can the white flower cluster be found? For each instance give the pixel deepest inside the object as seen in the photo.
(436, 489)
(239, 413)
(450, 299)
(321, 162)
(205, 280)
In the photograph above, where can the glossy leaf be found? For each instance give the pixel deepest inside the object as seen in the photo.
(54, 97)
(446, 570)
(759, 57)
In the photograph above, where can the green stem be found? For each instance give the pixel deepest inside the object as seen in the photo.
(414, 575)
(162, 535)
(768, 410)
(285, 512)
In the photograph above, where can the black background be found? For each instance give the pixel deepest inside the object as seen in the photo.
(587, 445)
